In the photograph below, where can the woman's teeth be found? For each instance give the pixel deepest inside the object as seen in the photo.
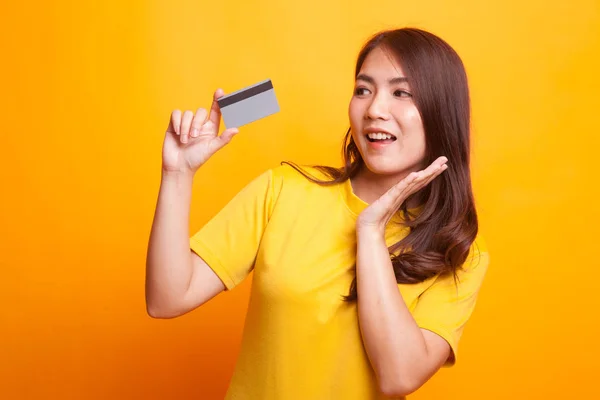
(380, 136)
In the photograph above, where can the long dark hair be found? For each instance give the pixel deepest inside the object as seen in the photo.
(441, 234)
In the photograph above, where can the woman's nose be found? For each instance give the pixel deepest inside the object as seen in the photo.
(379, 108)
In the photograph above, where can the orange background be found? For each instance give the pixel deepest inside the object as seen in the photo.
(87, 90)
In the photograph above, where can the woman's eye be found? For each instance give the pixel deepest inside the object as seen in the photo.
(360, 91)
(402, 93)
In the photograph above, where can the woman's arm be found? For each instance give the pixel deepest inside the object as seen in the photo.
(403, 356)
(177, 280)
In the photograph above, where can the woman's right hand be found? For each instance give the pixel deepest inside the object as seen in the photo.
(191, 139)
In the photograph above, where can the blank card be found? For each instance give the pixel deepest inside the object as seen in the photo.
(249, 104)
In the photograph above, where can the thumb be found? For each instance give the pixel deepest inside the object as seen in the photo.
(227, 135)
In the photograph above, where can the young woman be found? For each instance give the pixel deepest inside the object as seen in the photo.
(364, 276)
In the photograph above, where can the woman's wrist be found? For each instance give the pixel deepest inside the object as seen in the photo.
(370, 232)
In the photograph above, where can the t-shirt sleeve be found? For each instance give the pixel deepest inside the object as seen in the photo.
(446, 306)
(229, 241)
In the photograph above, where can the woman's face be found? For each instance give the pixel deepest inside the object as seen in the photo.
(385, 123)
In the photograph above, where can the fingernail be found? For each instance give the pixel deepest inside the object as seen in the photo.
(194, 132)
(184, 138)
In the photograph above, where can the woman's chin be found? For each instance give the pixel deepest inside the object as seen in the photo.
(383, 169)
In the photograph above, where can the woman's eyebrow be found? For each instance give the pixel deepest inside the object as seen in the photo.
(393, 81)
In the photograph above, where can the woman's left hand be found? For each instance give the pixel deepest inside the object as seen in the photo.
(377, 215)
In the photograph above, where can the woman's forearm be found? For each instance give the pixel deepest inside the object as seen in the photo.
(393, 341)
(169, 262)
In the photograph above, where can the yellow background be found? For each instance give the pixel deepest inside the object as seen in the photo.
(87, 91)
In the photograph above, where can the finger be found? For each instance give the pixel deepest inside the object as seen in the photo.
(227, 135)
(197, 122)
(397, 194)
(398, 191)
(423, 177)
(439, 162)
(439, 168)
(219, 142)
(209, 129)
(175, 123)
(415, 181)
(407, 182)
(427, 180)
(215, 110)
(433, 167)
(435, 174)
(186, 122)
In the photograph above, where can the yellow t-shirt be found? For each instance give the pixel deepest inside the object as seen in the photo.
(300, 340)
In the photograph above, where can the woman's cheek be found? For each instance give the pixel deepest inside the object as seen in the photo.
(412, 118)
